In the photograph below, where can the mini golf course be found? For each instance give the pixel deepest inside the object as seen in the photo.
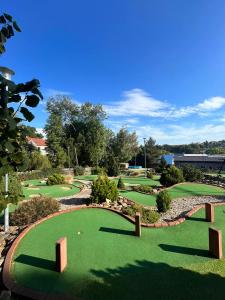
(37, 187)
(106, 261)
(178, 191)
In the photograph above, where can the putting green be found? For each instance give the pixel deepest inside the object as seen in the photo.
(105, 261)
(177, 191)
(37, 187)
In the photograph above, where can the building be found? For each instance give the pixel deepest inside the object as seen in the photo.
(38, 143)
(202, 161)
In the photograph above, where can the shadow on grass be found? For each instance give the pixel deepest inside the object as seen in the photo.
(184, 250)
(36, 262)
(116, 231)
(196, 219)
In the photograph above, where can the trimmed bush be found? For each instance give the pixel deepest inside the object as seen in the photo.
(102, 189)
(150, 216)
(191, 173)
(163, 201)
(171, 176)
(55, 179)
(97, 171)
(78, 171)
(120, 184)
(147, 189)
(15, 193)
(147, 216)
(33, 210)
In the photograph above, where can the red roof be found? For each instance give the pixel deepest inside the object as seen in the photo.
(38, 142)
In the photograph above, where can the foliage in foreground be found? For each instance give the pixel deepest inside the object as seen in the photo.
(55, 179)
(15, 191)
(103, 189)
(163, 201)
(33, 210)
(147, 216)
(171, 176)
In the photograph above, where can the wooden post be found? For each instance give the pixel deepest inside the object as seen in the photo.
(138, 224)
(61, 254)
(209, 212)
(215, 243)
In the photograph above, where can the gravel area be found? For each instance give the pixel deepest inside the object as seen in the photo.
(181, 206)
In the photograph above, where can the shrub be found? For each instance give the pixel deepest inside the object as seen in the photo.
(191, 173)
(15, 191)
(103, 189)
(163, 201)
(120, 184)
(55, 179)
(150, 216)
(97, 171)
(38, 174)
(150, 175)
(33, 210)
(171, 176)
(147, 189)
(39, 161)
(147, 216)
(78, 171)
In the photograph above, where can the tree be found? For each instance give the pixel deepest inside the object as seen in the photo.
(124, 145)
(171, 176)
(39, 161)
(55, 139)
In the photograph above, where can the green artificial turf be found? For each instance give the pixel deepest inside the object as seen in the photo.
(178, 191)
(86, 177)
(106, 261)
(50, 191)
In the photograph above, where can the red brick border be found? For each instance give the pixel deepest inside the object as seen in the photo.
(13, 286)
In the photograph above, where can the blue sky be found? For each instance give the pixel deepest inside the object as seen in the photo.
(158, 67)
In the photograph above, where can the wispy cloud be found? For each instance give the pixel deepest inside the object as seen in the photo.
(137, 102)
(53, 92)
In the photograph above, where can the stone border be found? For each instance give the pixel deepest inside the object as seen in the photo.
(13, 286)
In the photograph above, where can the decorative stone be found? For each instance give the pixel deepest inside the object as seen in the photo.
(138, 224)
(61, 254)
(215, 243)
(209, 212)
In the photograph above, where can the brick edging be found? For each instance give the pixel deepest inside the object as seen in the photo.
(13, 286)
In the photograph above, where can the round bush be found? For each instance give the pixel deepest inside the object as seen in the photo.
(150, 216)
(55, 179)
(33, 210)
(120, 184)
(171, 176)
(146, 189)
(102, 189)
(191, 173)
(163, 201)
(78, 171)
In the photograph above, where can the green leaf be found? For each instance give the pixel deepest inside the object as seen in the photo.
(2, 48)
(10, 29)
(16, 27)
(2, 38)
(8, 17)
(15, 98)
(5, 32)
(9, 146)
(36, 91)
(2, 20)
(27, 114)
(32, 100)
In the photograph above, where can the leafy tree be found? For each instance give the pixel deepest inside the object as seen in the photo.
(120, 184)
(124, 145)
(39, 161)
(171, 176)
(191, 173)
(55, 138)
(31, 131)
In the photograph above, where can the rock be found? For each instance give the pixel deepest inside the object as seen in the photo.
(124, 205)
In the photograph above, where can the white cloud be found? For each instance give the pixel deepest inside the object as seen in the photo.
(137, 102)
(53, 92)
(41, 130)
(178, 134)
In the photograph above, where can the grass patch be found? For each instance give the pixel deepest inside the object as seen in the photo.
(105, 261)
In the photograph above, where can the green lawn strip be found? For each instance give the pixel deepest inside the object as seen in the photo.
(50, 191)
(146, 200)
(139, 180)
(177, 191)
(106, 262)
(86, 177)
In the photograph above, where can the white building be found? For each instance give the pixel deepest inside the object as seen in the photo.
(38, 143)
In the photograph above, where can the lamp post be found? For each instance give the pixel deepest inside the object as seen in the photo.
(145, 157)
(7, 74)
